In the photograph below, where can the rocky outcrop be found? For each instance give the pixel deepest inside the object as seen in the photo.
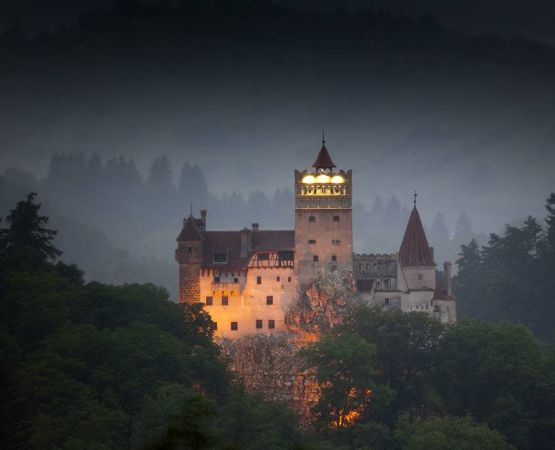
(272, 365)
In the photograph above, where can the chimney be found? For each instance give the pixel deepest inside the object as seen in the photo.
(447, 276)
(255, 227)
(246, 242)
(203, 218)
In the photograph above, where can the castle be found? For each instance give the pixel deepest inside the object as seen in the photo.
(248, 279)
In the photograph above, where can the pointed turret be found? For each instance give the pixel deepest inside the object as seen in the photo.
(323, 161)
(415, 250)
(190, 232)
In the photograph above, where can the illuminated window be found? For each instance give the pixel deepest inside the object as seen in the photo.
(225, 300)
(271, 324)
(258, 280)
(336, 242)
(312, 241)
(312, 219)
(333, 258)
(315, 258)
(336, 218)
(234, 326)
(258, 323)
(209, 300)
(270, 300)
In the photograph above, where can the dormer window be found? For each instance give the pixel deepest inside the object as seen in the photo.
(220, 258)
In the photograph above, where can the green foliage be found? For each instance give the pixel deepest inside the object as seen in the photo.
(511, 278)
(27, 243)
(456, 433)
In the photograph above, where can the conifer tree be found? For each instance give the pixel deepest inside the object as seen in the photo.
(26, 243)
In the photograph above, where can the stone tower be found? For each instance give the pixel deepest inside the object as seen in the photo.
(189, 257)
(323, 218)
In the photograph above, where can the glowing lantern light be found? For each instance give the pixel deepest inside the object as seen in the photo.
(309, 179)
(337, 179)
(323, 178)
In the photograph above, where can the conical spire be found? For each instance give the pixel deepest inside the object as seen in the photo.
(415, 250)
(323, 161)
(190, 231)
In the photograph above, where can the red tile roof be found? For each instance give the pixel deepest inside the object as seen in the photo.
(415, 250)
(190, 232)
(323, 161)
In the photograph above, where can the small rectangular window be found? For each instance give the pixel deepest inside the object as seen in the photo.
(215, 326)
(234, 326)
(209, 300)
(386, 301)
(220, 258)
(289, 279)
(225, 300)
(271, 324)
(336, 242)
(270, 300)
(258, 323)
(333, 258)
(236, 280)
(258, 280)
(315, 258)
(312, 241)
(216, 279)
(312, 219)
(278, 278)
(263, 256)
(420, 277)
(336, 218)
(190, 249)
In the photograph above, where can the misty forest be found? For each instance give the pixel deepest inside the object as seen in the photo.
(118, 122)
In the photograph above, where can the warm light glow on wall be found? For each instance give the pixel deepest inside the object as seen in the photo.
(322, 178)
(309, 179)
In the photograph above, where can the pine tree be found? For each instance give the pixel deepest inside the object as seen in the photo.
(26, 243)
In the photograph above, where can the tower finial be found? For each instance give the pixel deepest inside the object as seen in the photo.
(323, 137)
(415, 195)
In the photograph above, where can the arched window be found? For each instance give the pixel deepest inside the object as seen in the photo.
(336, 218)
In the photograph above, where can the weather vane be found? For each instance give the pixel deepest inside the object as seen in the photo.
(323, 137)
(415, 195)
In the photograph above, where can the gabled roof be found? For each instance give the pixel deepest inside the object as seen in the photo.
(229, 242)
(273, 240)
(190, 232)
(415, 250)
(323, 161)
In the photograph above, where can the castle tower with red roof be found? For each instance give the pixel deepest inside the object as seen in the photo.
(248, 279)
(323, 218)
